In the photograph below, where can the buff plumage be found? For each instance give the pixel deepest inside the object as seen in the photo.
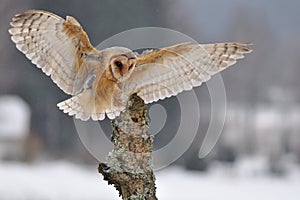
(101, 81)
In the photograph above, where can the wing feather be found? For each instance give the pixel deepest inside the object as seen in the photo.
(166, 72)
(58, 46)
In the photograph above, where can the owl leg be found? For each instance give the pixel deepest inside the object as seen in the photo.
(119, 100)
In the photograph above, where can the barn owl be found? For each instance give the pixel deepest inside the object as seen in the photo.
(101, 81)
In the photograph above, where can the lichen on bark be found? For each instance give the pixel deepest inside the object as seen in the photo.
(129, 165)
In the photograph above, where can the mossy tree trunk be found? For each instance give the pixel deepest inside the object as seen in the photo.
(129, 165)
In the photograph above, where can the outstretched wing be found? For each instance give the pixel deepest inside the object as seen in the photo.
(59, 47)
(166, 72)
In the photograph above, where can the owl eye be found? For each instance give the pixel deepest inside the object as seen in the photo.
(119, 65)
(130, 66)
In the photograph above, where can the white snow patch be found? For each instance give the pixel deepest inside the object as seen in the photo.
(63, 180)
(52, 181)
(14, 117)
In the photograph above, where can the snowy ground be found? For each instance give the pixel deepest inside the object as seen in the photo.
(64, 181)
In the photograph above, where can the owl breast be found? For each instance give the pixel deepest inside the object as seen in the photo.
(108, 95)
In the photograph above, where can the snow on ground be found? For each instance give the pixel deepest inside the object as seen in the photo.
(67, 181)
(52, 181)
(175, 184)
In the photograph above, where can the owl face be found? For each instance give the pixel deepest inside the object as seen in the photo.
(123, 65)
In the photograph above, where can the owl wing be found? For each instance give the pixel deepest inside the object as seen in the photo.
(166, 72)
(61, 48)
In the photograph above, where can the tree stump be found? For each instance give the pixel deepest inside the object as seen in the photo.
(129, 165)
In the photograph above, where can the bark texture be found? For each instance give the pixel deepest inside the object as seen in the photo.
(129, 165)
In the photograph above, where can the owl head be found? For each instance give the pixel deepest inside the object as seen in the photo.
(122, 62)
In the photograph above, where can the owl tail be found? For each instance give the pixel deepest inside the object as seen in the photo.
(81, 106)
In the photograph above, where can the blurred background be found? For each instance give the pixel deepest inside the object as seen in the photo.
(41, 156)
